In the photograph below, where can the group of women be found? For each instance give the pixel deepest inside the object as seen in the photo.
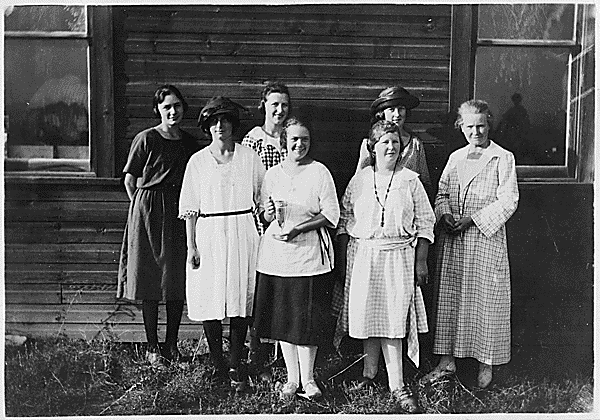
(257, 217)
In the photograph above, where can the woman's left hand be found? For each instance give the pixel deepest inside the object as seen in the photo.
(421, 273)
(288, 236)
(462, 225)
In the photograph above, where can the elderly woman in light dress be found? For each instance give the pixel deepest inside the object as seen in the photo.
(477, 195)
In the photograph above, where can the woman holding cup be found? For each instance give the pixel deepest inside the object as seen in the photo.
(295, 257)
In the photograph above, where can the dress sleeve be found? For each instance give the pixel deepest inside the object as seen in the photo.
(422, 168)
(347, 206)
(189, 198)
(258, 175)
(442, 199)
(328, 201)
(250, 142)
(493, 216)
(424, 218)
(138, 155)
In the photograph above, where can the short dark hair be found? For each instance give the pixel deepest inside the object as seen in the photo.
(164, 91)
(288, 123)
(274, 87)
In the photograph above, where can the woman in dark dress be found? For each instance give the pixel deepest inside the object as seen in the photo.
(152, 265)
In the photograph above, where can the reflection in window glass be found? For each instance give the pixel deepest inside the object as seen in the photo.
(527, 21)
(46, 98)
(527, 90)
(45, 18)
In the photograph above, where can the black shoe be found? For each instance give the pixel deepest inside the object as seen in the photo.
(407, 401)
(362, 383)
(172, 353)
(238, 378)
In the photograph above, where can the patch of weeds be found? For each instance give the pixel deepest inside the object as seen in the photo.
(66, 377)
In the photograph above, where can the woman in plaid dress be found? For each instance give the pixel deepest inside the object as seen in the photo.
(393, 104)
(477, 195)
(385, 208)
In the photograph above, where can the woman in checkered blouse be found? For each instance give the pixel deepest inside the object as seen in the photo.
(386, 209)
(477, 195)
(265, 140)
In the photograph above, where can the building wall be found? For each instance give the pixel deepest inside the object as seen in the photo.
(334, 58)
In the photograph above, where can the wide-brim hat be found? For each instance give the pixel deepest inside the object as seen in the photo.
(394, 96)
(219, 105)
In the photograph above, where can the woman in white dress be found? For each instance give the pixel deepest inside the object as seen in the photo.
(386, 210)
(220, 192)
(477, 195)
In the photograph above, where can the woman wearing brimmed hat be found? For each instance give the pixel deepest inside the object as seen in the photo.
(394, 104)
(220, 192)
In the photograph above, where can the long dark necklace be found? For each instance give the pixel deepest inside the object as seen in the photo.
(387, 191)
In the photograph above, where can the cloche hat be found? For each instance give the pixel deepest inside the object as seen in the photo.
(219, 105)
(393, 96)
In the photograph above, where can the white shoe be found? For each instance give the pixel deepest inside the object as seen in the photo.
(289, 390)
(484, 378)
(311, 391)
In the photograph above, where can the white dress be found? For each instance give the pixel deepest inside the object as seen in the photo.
(223, 285)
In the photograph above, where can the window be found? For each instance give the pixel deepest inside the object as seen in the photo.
(50, 81)
(524, 60)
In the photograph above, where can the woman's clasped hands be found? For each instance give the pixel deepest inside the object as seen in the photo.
(455, 227)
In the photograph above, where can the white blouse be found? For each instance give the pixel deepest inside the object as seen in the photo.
(307, 194)
(408, 214)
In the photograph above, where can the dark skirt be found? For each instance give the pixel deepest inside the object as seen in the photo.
(293, 309)
(153, 253)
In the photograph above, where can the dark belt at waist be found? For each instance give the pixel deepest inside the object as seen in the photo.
(225, 213)
(165, 186)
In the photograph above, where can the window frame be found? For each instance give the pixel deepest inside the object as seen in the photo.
(464, 44)
(101, 97)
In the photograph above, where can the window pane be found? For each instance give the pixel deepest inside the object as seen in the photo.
(526, 21)
(45, 18)
(46, 98)
(527, 91)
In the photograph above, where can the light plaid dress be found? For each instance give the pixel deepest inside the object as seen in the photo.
(380, 298)
(472, 270)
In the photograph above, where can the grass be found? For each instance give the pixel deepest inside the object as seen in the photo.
(69, 377)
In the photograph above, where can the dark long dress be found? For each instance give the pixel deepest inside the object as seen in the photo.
(152, 263)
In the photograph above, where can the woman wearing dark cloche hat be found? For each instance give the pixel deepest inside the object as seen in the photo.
(220, 193)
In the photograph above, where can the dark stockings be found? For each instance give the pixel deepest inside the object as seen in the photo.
(174, 313)
(237, 337)
(213, 330)
(150, 315)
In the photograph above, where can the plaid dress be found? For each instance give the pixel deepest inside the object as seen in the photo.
(269, 156)
(472, 270)
(380, 298)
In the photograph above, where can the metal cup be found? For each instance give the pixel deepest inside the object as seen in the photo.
(280, 212)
